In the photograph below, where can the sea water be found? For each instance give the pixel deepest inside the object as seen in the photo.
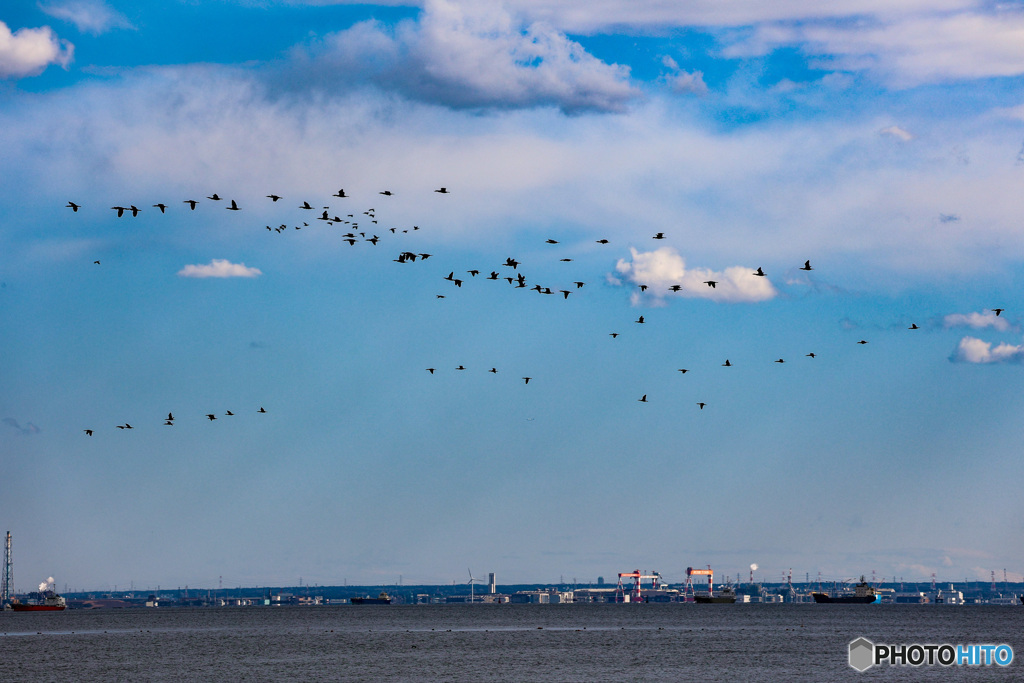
(476, 642)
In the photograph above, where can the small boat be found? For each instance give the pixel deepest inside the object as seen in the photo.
(382, 599)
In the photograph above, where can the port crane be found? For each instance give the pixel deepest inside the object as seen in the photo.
(690, 573)
(634, 594)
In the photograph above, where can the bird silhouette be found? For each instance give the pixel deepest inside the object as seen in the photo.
(261, 410)
(613, 335)
(74, 208)
(701, 405)
(551, 241)
(565, 293)
(578, 284)
(643, 288)
(493, 370)
(862, 342)
(88, 432)
(780, 361)
(659, 236)
(162, 207)
(340, 193)
(997, 311)
(305, 205)
(460, 368)
(96, 262)
(913, 326)
(191, 203)
(683, 370)
(643, 399)
(711, 283)
(233, 207)
(273, 197)
(215, 197)
(229, 413)
(807, 266)
(601, 241)
(675, 288)
(640, 320)
(526, 380)
(120, 210)
(431, 370)
(726, 364)
(386, 193)
(759, 273)
(211, 417)
(443, 190)
(811, 355)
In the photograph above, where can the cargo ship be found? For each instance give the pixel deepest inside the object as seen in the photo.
(382, 599)
(45, 601)
(863, 593)
(727, 596)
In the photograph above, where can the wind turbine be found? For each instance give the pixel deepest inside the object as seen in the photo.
(472, 595)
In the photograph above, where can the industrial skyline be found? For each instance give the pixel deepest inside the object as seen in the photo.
(344, 290)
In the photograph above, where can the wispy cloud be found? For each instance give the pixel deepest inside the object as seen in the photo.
(466, 55)
(27, 51)
(664, 269)
(219, 268)
(977, 321)
(974, 350)
(88, 16)
(28, 430)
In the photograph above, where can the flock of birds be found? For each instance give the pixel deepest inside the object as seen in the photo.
(357, 234)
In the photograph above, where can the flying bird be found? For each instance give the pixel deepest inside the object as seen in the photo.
(72, 206)
(643, 288)
(780, 361)
(88, 432)
(191, 203)
(601, 241)
(386, 193)
(726, 364)
(120, 210)
(211, 416)
(460, 368)
(215, 197)
(683, 370)
(913, 326)
(443, 190)
(613, 335)
(494, 370)
(305, 205)
(431, 370)
(811, 355)
(711, 283)
(526, 380)
(578, 284)
(273, 197)
(551, 241)
(161, 206)
(643, 399)
(807, 266)
(229, 413)
(701, 405)
(340, 193)
(759, 273)
(261, 410)
(675, 288)
(233, 207)
(997, 311)
(659, 236)
(862, 342)
(565, 293)
(640, 320)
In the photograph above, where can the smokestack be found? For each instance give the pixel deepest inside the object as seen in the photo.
(753, 568)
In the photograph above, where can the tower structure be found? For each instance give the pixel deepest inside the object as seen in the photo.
(7, 583)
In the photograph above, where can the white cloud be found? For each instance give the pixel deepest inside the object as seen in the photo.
(687, 82)
(977, 321)
(219, 268)
(664, 268)
(974, 350)
(27, 51)
(897, 132)
(903, 51)
(467, 55)
(88, 16)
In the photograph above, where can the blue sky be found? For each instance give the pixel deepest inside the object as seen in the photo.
(883, 142)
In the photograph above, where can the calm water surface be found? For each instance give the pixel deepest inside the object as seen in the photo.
(585, 643)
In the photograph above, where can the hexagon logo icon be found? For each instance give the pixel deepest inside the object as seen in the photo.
(862, 654)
